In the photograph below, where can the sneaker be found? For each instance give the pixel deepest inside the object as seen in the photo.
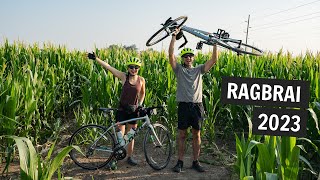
(178, 167)
(197, 166)
(131, 161)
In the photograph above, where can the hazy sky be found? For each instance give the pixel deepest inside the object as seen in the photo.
(78, 24)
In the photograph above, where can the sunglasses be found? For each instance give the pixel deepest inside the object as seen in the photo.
(188, 55)
(134, 67)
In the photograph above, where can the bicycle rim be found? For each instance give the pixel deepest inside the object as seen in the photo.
(94, 155)
(166, 30)
(158, 157)
(241, 49)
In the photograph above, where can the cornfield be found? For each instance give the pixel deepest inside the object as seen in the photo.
(43, 89)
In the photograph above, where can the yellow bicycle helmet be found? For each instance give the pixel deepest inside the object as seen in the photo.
(134, 61)
(186, 51)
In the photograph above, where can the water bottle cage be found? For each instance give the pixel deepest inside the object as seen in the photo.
(128, 138)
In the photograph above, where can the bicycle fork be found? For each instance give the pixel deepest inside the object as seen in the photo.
(155, 135)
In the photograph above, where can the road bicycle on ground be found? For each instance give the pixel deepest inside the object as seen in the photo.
(221, 37)
(100, 145)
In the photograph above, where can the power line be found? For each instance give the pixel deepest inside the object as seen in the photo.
(295, 36)
(287, 19)
(283, 34)
(281, 20)
(278, 13)
(291, 37)
(291, 8)
(285, 23)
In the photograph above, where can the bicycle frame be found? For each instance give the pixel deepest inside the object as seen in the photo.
(209, 38)
(113, 127)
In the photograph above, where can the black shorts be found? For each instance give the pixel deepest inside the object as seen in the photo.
(190, 114)
(123, 116)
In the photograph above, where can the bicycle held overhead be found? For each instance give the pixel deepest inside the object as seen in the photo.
(221, 37)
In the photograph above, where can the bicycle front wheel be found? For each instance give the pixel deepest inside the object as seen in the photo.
(166, 30)
(96, 146)
(157, 155)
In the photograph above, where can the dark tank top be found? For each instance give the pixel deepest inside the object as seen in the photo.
(129, 94)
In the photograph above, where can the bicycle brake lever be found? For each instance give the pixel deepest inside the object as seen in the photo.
(185, 41)
(179, 35)
(167, 21)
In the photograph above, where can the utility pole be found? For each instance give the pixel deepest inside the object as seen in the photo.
(247, 33)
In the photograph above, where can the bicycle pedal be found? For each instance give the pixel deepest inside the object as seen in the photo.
(113, 165)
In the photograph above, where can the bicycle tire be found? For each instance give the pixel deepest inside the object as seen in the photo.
(243, 49)
(92, 159)
(157, 161)
(152, 41)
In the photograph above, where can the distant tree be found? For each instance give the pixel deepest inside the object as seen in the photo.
(114, 46)
(132, 47)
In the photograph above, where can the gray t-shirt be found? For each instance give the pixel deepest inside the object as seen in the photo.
(189, 83)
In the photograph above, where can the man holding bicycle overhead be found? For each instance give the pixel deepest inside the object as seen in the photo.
(132, 95)
(189, 98)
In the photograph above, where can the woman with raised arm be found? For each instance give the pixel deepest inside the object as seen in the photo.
(132, 95)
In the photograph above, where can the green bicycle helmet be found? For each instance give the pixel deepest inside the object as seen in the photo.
(186, 51)
(134, 61)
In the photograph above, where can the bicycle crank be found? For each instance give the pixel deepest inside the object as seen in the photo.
(120, 153)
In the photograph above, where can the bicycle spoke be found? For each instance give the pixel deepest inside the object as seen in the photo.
(163, 140)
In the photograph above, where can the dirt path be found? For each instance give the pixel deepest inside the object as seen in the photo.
(220, 170)
(144, 171)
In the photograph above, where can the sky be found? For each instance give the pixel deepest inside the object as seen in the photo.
(293, 25)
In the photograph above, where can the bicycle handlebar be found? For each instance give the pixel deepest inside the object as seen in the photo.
(146, 110)
(149, 110)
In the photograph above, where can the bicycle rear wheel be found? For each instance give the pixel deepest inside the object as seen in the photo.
(158, 157)
(95, 154)
(240, 48)
(166, 30)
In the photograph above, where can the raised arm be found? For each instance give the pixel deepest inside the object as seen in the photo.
(114, 71)
(119, 74)
(172, 59)
(208, 65)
